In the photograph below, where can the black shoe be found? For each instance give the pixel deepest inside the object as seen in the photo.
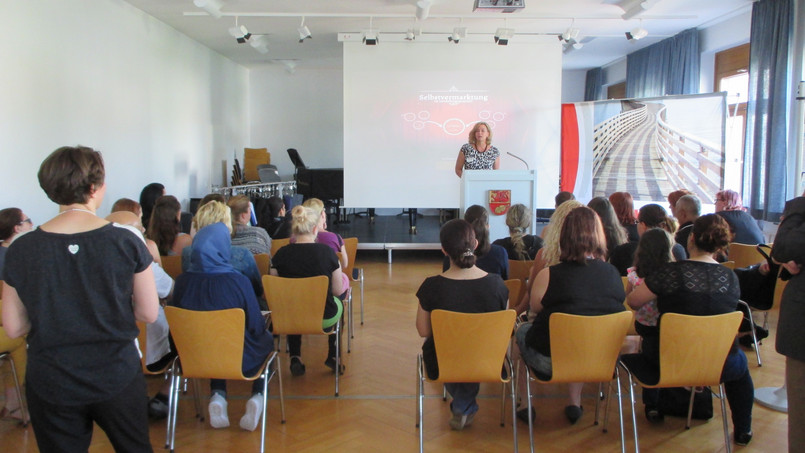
(761, 333)
(522, 414)
(743, 439)
(158, 407)
(747, 341)
(330, 363)
(297, 367)
(654, 415)
(573, 413)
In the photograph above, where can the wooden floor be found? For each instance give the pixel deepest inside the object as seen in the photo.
(375, 411)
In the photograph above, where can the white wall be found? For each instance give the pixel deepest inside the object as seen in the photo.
(573, 84)
(101, 73)
(303, 110)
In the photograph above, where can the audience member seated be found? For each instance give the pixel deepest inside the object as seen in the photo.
(240, 258)
(76, 286)
(650, 216)
(744, 227)
(165, 228)
(332, 240)
(623, 204)
(278, 225)
(562, 197)
(307, 258)
(582, 283)
(211, 283)
(253, 238)
(207, 198)
(159, 352)
(688, 209)
(674, 196)
(129, 205)
(700, 286)
(613, 230)
(488, 257)
(548, 255)
(519, 245)
(464, 288)
(13, 222)
(148, 198)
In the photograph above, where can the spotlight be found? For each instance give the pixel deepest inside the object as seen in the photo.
(570, 34)
(212, 7)
(458, 34)
(371, 37)
(304, 32)
(240, 33)
(503, 35)
(637, 33)
(423, 9)
(410, 35)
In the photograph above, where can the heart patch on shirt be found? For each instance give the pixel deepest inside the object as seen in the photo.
(72, 248)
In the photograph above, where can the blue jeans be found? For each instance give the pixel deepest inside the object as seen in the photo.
(463, 394)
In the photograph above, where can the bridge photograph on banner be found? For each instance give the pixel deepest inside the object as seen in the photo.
(649, 147)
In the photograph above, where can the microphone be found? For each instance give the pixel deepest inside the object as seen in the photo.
(520, 159)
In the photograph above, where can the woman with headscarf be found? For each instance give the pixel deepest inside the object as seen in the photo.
(744, 227)
(211, 283)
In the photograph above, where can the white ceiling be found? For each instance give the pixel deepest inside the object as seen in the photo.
(598, 19)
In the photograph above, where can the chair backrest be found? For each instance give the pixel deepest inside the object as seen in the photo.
(471, 347)
(252, 157)
(729, 264)
(520, 269)
(632, 330)
(351, 246)
(693, 349)
(296, 304)
(744, 254)
(514, 285)
(277, 244)
(201, 354)
(172, 265)
(586, 348)
(263, 262)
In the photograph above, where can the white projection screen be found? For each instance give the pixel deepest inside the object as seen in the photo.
(409, 106)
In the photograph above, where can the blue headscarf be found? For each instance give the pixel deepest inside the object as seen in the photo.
(211, 250)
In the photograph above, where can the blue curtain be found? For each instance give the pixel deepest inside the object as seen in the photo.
(669, 67)
(594, 85)
(766, 150)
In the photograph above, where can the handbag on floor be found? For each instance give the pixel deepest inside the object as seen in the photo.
(675, 401)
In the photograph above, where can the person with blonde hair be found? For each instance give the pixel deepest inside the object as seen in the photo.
(253, 238)
(478, 153)
(519, 245)
(304, 257)
(330, 239)
(240, 258)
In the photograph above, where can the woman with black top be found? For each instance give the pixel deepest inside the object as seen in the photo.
(489, 257)
(464, 288)
(650, 216)
(613, 230)
(519, 245)
(623, 203)
(700, 286)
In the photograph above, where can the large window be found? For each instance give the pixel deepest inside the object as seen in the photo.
(732, 76)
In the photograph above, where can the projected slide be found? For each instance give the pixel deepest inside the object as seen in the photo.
(409, 107)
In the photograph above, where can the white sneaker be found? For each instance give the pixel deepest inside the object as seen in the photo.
(218, 416)
(254, 409)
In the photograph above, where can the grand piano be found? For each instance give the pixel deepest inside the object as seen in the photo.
(326, 184)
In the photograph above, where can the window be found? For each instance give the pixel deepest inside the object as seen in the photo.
(732, 76)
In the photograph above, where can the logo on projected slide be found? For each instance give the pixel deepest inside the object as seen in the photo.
(452, 126)
(500, 201)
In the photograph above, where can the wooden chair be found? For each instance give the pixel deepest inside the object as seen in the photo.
(218, 356)
(632, 330)
(521, 270)
(514, 285)
(351, 245)
(685, 362)
(779, 287)
(296, 305)
(729, 264)
(6, 346)
(744, 255)
(277, 244)
(471, 347)
(172, 265)
(585, 349)
(263, 263)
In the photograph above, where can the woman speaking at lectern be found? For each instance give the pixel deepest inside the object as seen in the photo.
(478, 154)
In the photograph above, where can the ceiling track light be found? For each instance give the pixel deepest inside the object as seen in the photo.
(212, 7)
(637, 33)
(632, 8)
(423, 9)
(410, 35)
(371, 36)
(459, 33)
(503, 35)
(239, 32)
(304, 32)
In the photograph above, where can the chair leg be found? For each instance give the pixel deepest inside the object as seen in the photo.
(267, 374)
(503, 406)
(634, 416)
(528, 405)
(606, 406)
(724, 418)
(420, 401)
(514, 408)
(360, 274)
(351, 319)
(620, 409)
(278, 370)
(751, 320)
(175, 407)
(197, 400)
(337, 354)
(23, 410)
(690, 407)
(172, 400)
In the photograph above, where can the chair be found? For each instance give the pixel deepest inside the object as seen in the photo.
(632, 330)
(729, 264)
(744, 255)
(779, 287)
(263, 263)
(172, 265)
(520, 270)
(471, 347)
(252, 159)
(513, 285)
(218, 356)
(687, 363)
(354, 274)
(8, 343)
(277, 244)
(296, 305)
(585, 349)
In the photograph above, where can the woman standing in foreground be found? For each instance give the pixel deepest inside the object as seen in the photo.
(478, 154)
(69, 286)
